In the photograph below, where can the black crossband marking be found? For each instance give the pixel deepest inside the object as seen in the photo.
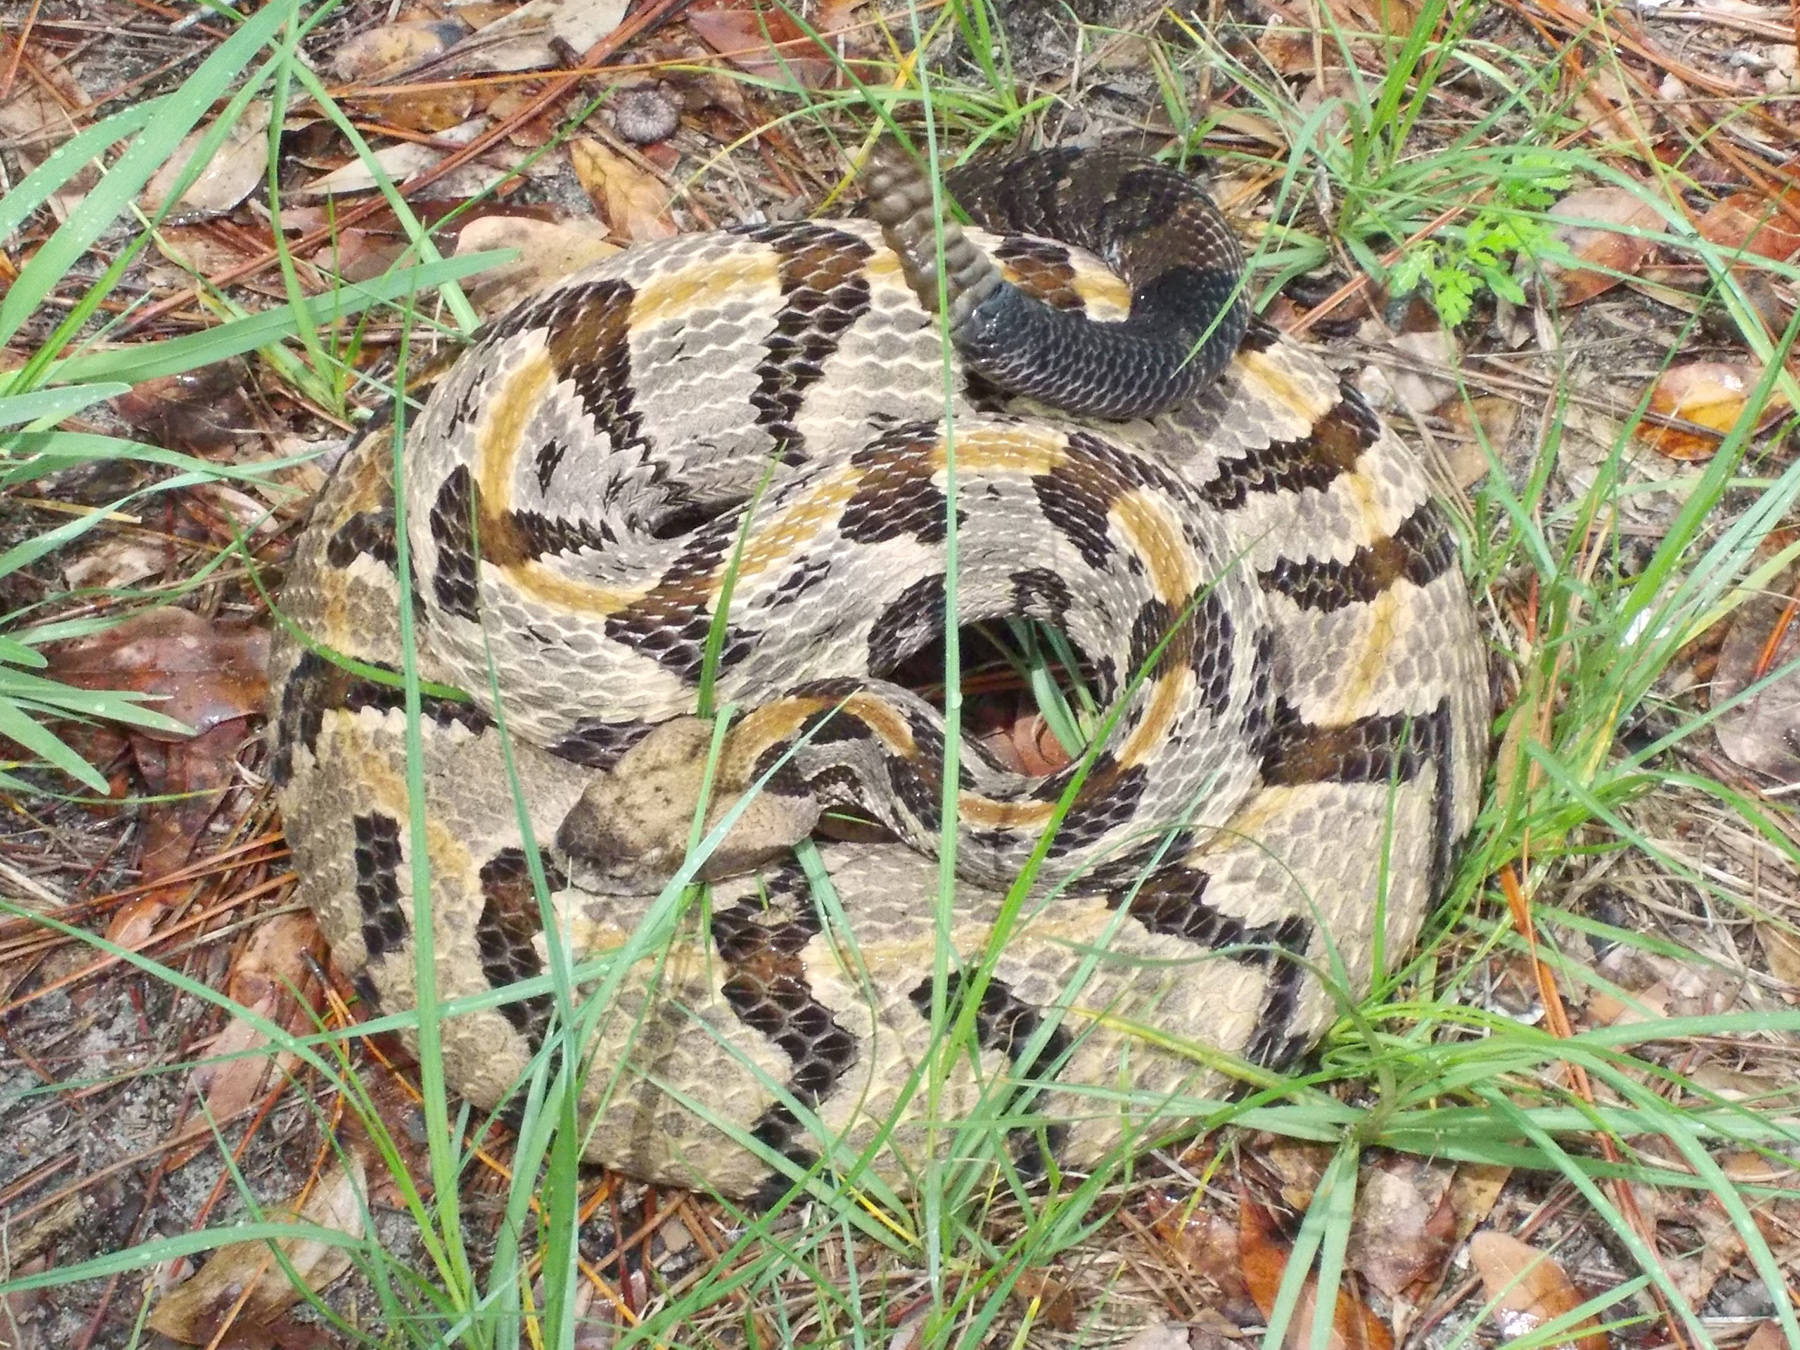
(1419, 552)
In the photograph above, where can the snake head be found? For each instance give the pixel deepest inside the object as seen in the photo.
(628, 833)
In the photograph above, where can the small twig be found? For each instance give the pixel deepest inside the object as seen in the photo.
(18, 50)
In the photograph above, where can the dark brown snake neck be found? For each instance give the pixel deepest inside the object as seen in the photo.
(740, 440)
(1157, 229)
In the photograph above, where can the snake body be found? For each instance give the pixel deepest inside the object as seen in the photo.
(727, 458)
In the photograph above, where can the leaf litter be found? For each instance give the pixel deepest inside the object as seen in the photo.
(1580, 321)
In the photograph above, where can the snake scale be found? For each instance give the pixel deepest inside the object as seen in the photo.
(729, 455)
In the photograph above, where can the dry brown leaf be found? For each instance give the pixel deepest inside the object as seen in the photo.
(427, 110)
(1753, 1169)
(47, 105)
(765, 43)
(133, 923)
(1473, 1192)
(535, 36)
(1751, 221)
(1298, 1166)
(1716, 1251)
(478, 14)
(116, 562)
(549, 250)
(1242, 123)
(1167, 1336)
(274, 962)
(1597, 242)
(210, 676)
(235, 170)
(283, 951)
(194, 776)
(197, 249)
(853, 23)
(1605, 1010)
(1330, 92)
(1404, 1228)
(244, 1283)
(636, 203)
(1769, 1091)
(1528, 1289)
(394, 48)
(1204, 1242)
(399, 162)
(1713, 395)
(388, 53)
(1264, 1261)
(1767, 1336)
(1292, 51)
(1762, 732)
(238, 506)
(239, 1071)
(1483, 423)
(1054, 1299)
(1428, 376)
(210, 672)
(42, 111)
(510, 107)
(1396, 18)
(1781, 950)
(199, 410)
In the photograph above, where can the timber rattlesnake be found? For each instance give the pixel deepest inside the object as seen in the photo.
(1258, 578)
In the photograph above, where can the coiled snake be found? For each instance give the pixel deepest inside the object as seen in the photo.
(741, 438)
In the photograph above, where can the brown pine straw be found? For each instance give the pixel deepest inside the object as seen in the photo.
(1556, 1016)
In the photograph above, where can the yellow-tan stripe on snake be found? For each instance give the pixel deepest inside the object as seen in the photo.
(1257, 576)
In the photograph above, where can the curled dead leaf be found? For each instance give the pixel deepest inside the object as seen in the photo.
(1264, 1259)
(1754, 222)
(549, 250)
(388, 53)
(209, 672)
(1204, 1242)
(1603, 228)
(765, 43)
(198, 410)
(636, 203)
(1714, 396)
(1762, 732)
(1528, 1289)
(1404, 1227)
(1781, 949)
(377, 53)
(536, 35)
(233, 172)
(243, 1282)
